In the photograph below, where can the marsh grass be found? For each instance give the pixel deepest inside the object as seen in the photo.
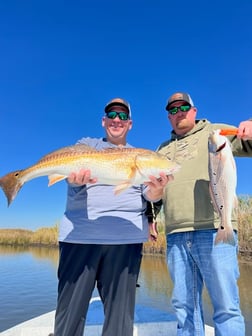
(15, 237)
(48, 236)
(245, 225)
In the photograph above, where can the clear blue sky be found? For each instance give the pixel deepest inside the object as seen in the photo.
(61, 61)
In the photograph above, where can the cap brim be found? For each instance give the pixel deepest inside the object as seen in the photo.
(116, 104)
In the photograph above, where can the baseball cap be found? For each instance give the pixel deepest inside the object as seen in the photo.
(179, 96)
(118, 102)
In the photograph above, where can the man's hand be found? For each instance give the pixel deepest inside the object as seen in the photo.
(156, 186)
(245, 130)
(81, 178)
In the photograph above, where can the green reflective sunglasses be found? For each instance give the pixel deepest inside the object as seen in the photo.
(114, 114)
(182, 108)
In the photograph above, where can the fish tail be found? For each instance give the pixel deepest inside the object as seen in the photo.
(225, 235)
(11, 184)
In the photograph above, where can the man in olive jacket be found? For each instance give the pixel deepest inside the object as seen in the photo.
(191, 224)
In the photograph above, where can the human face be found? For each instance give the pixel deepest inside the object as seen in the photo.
(182, 122)
(116, 129)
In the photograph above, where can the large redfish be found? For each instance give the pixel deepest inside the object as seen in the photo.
(122, 167)
(223, 179)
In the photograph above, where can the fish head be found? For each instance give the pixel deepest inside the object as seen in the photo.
(170, 167)
(154, 163)
(216, 141)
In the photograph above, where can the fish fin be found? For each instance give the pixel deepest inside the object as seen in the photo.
(68, 151)
(126, 184)
(225, 235)
(55, 178)
(121, 187)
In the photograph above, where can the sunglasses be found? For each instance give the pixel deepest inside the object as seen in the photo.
(182, 108)
(121, 115)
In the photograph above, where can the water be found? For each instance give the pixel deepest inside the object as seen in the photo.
(28, 285)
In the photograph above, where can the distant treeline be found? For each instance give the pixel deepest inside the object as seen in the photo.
(48, 236)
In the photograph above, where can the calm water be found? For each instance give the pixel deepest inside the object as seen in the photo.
(28, 285)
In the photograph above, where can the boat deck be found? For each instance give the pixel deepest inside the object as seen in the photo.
(148, 321)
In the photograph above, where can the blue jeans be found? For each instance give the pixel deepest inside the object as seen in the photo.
(194, 261)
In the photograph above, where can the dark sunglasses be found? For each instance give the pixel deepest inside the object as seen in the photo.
(121, 115)
(182, 108)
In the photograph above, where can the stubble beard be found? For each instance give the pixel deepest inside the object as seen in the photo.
(182, 124)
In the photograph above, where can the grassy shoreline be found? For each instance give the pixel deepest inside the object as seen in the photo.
(26, 238)
(48, 236)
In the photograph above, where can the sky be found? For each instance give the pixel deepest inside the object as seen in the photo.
(62, 61)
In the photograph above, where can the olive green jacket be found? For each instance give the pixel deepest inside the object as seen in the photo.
(187, 204)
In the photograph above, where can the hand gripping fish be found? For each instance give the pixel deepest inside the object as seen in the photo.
(223, 179)
(122, 167)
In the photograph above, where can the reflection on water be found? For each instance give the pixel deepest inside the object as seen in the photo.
(42, 253)
(155, 284)
(245, 286)
(157, 289)
(28, 285)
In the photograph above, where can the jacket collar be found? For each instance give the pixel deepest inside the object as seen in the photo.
(199, 125)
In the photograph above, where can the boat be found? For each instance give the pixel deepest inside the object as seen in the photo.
(149, 321)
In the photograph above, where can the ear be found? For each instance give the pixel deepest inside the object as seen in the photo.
(130, 124)
(103, 121)
(195, 110)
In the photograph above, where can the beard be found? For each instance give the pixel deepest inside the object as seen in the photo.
(183, 124)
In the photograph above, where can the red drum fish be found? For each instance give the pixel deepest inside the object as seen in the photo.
(223, 180)
(122, 167)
